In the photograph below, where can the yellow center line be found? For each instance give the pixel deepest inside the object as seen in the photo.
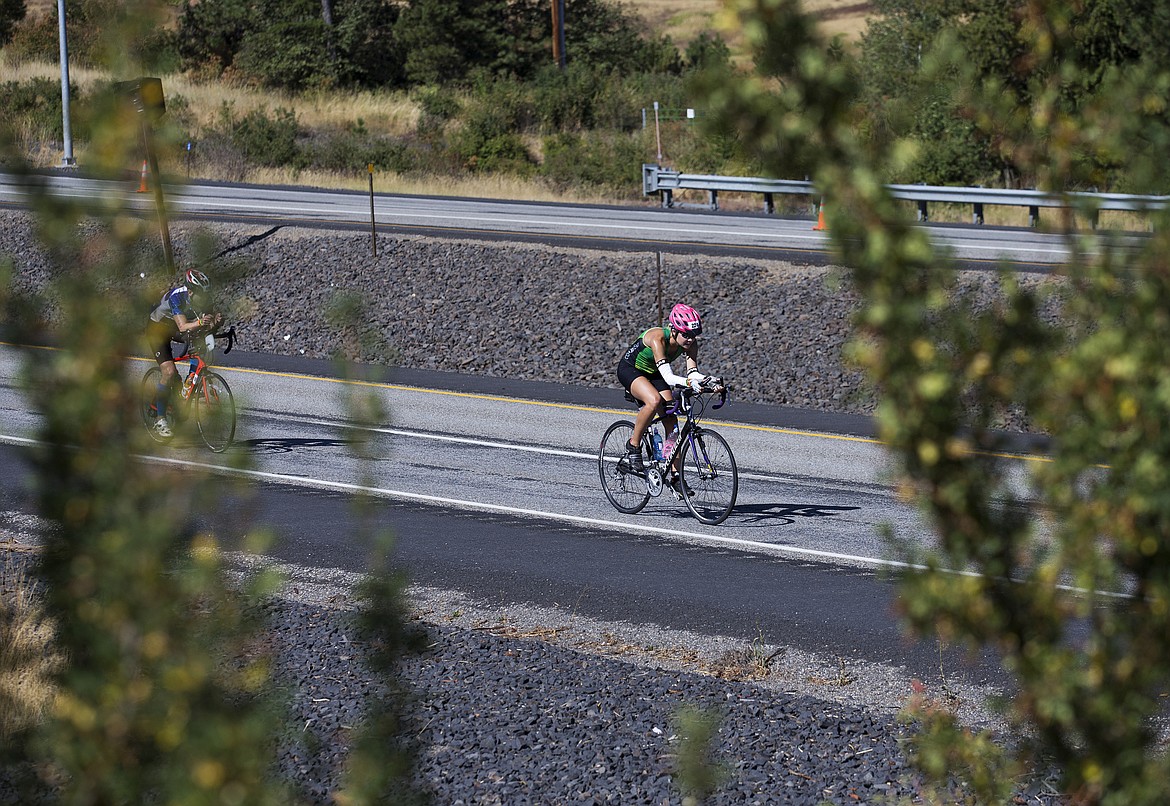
(547, 404)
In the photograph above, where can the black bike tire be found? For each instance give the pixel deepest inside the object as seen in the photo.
(149, 388)
(716, 514)
(607, 470)
(215, 443)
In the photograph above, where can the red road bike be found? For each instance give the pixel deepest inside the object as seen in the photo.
(203, 395)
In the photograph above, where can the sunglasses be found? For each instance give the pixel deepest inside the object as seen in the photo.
(690, 334)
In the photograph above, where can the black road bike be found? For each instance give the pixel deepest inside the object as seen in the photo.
(709, 480)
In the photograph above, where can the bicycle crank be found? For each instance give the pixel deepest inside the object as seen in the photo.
(654, 481)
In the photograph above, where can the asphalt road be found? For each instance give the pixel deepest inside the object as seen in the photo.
(490, 488)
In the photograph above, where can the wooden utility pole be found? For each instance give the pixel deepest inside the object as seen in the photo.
(146, 96)
(330, 45)
(558, 24)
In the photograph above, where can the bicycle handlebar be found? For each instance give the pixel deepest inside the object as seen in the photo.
(683, 393)
(230, 335)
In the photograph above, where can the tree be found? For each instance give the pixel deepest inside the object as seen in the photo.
(1068, 579)
(11, 12)
(448, 41)
(211, 33)
(165, 691)
(707, 51)
(912, 80)
(445, 39)
(293, 45)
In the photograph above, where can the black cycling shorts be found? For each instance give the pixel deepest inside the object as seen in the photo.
(627, 373)
(160, 340)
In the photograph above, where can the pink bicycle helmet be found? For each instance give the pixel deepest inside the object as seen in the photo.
(686, 319)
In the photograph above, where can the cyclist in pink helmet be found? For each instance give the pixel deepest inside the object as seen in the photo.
(644, 371)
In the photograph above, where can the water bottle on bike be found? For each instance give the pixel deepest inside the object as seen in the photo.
(657, 440)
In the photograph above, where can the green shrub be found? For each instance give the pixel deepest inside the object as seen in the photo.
(270, 141)
(437, 102)
(35, 103)
(608, 161)
(488, 140)
(351, 151)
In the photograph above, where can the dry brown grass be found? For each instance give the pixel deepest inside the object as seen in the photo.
(683, 20)
(27, 657)
(472, 186)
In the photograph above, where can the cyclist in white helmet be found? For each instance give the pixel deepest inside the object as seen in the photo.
(175, 318)
(644, 371)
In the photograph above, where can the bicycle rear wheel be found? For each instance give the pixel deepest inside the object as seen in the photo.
(625, 489)
(709, 470)
(215, 412)
(146, 403)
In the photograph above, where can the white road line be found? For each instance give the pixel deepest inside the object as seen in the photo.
(480, 506)
(726, 542)
(484, 443)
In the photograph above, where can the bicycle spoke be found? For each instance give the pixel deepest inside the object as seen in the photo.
(709, 471)
(624, 489)
(215, 412)
(146, 403)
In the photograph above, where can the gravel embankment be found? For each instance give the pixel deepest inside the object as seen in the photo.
(518, 705)
(777, 329)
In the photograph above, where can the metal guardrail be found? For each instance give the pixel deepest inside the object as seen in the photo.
(657, 180)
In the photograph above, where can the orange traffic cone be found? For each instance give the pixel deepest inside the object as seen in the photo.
(142, 182)
(820, 225)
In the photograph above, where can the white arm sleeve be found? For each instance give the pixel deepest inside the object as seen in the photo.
(668, 374)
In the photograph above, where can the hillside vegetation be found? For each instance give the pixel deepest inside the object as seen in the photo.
(463, 97)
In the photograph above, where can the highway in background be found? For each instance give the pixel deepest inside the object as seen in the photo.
(645, 227)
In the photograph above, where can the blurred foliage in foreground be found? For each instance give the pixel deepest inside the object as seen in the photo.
(1068, 573)
(161, 684)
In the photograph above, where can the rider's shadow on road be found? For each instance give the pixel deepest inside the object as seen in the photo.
(288, 445)
(783, 514)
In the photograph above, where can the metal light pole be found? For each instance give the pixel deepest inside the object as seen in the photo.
(67, 160)
(657, 135)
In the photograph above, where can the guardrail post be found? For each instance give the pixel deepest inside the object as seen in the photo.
(769, 205)
(1033, 216)
(713, 199)
(668, 198)
(922, 211)
(977, 213)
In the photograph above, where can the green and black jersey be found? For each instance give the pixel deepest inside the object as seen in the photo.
(641, 357)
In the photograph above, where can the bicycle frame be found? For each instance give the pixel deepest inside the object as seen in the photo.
(691, 405)
(197, 366)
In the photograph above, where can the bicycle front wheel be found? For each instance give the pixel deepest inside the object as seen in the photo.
(215, 412)
(708, 469)
(625, 489)
(147, 403)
